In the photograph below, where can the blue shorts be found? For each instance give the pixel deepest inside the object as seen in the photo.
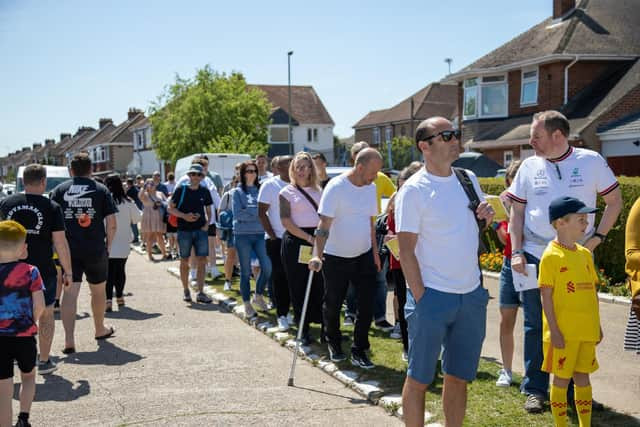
(455, 323)
(50, 286)
(196, 239)
(508, 297)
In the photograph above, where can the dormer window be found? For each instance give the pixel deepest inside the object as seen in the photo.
(529, 89)
(485, 97)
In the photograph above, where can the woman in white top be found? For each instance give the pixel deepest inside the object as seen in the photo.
(127, 214)
(299, 215)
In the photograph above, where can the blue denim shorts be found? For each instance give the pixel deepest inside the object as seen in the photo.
(453, 323)
(508, 297)
(197, 239)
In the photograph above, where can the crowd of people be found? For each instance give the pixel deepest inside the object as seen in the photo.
(297, 231)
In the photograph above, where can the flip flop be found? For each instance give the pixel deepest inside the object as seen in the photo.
(107, 335)
(68, 350)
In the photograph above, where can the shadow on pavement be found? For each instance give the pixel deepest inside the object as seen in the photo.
(350, 399)
(129, 313)
(57, 388)
(107, 354)
(205, 307)
(79, 316)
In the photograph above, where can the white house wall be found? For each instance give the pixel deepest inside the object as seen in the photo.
(324, 143)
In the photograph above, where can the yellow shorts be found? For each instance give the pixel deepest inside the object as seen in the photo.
(576, 356)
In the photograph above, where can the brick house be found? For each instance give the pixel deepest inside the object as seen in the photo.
(582, 61)
(311, 124)
(401, 120)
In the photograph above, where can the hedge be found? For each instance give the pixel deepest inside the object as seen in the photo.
(609, 255)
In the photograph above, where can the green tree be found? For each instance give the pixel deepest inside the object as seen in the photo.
(213, 112)
(402, 150)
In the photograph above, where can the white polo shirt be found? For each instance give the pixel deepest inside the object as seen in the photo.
(351, 208)
(437, 210)
(581, 173)
(269, 194)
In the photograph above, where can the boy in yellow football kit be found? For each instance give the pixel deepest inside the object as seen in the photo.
(571, 318)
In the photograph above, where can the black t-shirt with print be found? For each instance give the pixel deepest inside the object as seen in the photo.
(194, 202)
(41, 217)
(85, 204)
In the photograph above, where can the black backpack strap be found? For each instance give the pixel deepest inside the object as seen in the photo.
(308, 197)
(474, 201)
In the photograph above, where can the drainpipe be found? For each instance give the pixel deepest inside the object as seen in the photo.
(566, 79)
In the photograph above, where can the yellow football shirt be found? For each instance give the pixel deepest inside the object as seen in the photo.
(384, 187)
(572, 276)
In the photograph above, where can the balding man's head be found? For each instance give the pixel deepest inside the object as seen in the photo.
(358, 147)
(427, 128)
(366, 155)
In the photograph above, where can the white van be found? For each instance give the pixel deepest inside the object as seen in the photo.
(55, 176)
(221, 163)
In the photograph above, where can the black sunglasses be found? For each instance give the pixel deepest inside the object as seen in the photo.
(194, 174)
(446, 135)
(251, 171)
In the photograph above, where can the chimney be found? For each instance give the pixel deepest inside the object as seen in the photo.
(26, 149)
(132, 113)
(36, 145)
(104, 122)
(64, 135)
(49, 142)
(562, 7)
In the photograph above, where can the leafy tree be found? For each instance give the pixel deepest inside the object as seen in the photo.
(213, 112)
(402, 152)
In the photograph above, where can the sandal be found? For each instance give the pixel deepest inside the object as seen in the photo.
(107, 335)
(120, 302)
(68, 350)
(109, 307)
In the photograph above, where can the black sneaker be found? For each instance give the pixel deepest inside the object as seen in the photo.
(336, 354)
(534, 404)
(202, 297)
(22, 423)
(360, 359)
(384, 325)
(47, 367)
(186, 297)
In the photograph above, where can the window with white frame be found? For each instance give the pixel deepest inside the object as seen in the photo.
(529, 90)
(312, 135)
(507, 158)
(139, 136)
(485, 97)
(376, 136)
(388, 134)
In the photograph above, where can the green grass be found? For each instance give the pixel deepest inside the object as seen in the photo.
(487, 406)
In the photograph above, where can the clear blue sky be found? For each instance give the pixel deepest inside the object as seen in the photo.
(64, 64)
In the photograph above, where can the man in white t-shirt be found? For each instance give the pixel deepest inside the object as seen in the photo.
(269, 214)
(556, 170)
(346, 238)
(446, 304)
(263, 168)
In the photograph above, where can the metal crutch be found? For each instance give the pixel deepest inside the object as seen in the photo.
(300, 327)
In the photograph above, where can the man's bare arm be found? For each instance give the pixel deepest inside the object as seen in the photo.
(613, 202)
(320, 241)
(516, 227)
(264, 219)
(64, 254)
(410, 267)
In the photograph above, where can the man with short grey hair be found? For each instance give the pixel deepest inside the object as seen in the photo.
(345, 251)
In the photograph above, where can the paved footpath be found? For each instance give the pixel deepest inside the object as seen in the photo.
(169, 364)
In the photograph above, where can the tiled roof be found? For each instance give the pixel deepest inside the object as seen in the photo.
(627, 124)
(433, 100)
(596, 27)
(99, 137)
(306, 106)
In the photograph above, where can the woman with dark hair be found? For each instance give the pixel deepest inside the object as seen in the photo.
(299, 215)
(249, 235)
(127, 214)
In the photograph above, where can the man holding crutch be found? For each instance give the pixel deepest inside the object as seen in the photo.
(343, 249)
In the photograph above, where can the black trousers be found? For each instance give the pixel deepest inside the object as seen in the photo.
(400, 292)
(338, 272)
(279, 286)
(297, 276)
(116, 277)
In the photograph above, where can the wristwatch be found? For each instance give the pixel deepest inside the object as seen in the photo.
(518, 252)
(600, 236)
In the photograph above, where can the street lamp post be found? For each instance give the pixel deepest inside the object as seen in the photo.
(289, 90)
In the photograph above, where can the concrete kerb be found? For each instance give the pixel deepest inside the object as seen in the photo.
(603, 297)
(369, 390)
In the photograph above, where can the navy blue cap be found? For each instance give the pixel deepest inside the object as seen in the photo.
(196, 168)
(567, 205)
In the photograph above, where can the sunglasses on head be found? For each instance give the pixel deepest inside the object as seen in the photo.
(446, 135)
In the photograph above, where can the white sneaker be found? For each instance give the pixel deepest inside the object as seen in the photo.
(192, 275)
(249, 312)
(259, 302)
(504, 378)
(214, 272)
(283, 325)
(227, 285)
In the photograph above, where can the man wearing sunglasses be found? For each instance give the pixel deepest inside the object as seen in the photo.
(556, 170)
(446, 303)
(192, 205)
